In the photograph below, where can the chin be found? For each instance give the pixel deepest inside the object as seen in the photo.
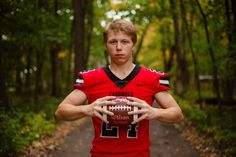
(119, 61)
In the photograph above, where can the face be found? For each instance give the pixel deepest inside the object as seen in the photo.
(119, 47)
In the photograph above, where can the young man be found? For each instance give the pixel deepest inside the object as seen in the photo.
(121, 78)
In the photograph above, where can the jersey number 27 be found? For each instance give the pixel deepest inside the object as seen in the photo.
(113, 131)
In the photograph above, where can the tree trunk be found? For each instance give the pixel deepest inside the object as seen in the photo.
(4, 101)
(233, 52)
(38, 75)
(189, 36)
(216, 87)
(228, 82)
(19, 69)
(69, 69)
(166, 43)
(182, 76)
(54, 65)
(163, 50)
(89, 30)
(79, 39)
(54, 60)
(70, 54)
(42, 6)
(28, 70)
(140, 43)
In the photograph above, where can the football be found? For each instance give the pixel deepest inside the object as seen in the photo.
(120, 111)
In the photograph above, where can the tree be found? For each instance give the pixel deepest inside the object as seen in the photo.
(182, 77)
(79, 32)
(83, 18)
(189, 37)
(140, 43)
(4, 102)
(229, 82)
(89, 15)
(216, 87)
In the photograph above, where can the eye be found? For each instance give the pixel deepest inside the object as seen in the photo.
(112, 42)
(125, 42)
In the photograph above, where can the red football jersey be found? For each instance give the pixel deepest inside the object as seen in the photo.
(121, 141)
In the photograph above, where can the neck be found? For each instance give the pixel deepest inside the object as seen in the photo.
(123, 67)
(122, 71)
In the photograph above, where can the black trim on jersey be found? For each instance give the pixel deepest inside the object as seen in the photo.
(164, 81)
(121, 83)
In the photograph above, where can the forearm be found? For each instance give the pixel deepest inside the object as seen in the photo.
(170, 111)
(169, 115)
(70, 112)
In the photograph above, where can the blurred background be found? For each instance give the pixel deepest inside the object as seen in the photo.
(43, 43)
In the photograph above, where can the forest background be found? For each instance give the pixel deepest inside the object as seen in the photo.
(45, 42)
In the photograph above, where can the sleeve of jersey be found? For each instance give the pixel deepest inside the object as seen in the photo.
(162, 82)
(81, 82)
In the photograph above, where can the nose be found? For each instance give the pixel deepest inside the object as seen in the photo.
(118, 46)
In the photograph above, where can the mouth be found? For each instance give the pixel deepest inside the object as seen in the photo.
(119, 55)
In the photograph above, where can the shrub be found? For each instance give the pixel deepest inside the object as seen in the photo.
(20, 127)
(220, 125)
(17, 131)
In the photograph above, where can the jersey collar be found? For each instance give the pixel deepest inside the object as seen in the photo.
(121, 83)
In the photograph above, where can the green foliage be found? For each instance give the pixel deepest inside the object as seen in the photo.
(16, 132)
(30, 28)
(197, 116)
(17, 129)
(28, 32)
(220, 126)
(227, 140)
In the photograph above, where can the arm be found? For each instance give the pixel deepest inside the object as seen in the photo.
(170, 111)
(70, 108)
(73, 108)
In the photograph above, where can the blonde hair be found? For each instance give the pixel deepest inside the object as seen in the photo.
(121, 25)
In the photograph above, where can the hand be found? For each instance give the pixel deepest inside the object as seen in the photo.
(145, 111)
(96, 108)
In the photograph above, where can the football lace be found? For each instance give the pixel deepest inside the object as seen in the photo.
(120, 108)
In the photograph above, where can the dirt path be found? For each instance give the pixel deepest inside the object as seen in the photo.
(166, 141)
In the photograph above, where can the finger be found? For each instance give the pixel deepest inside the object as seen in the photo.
(139, 119)
(100, 117)
(104, 103)
(107, 102)
(106, 98)
(108, 113)
(135, 99)
(137, 104)
(139, 112)
(103, 111)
